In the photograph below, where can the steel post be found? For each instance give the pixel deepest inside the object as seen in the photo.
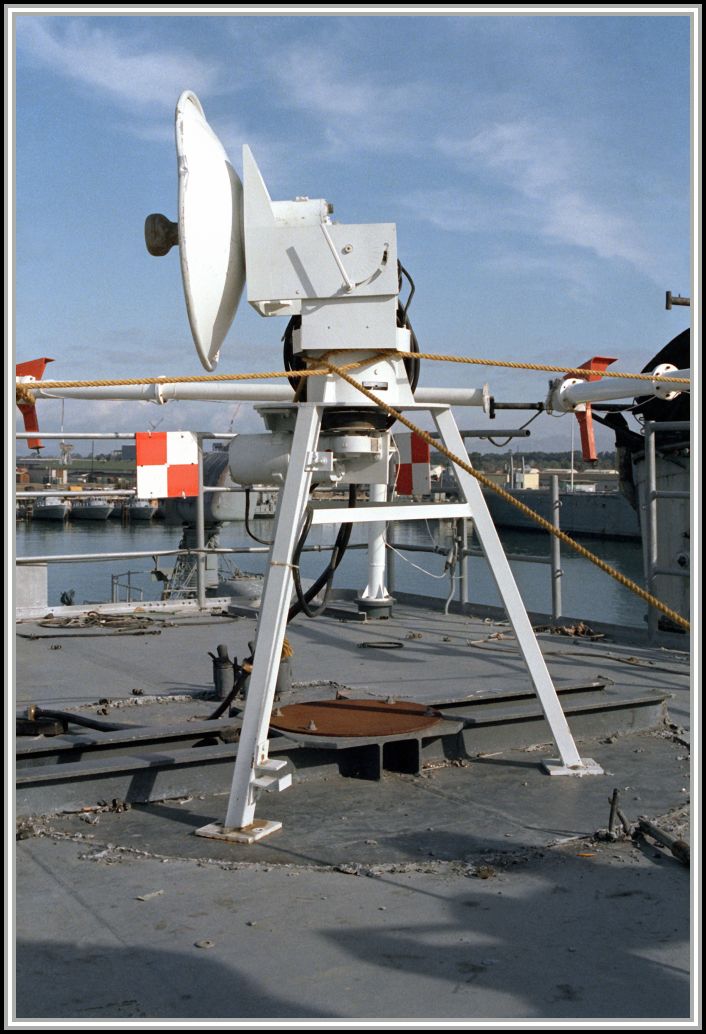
(651, 521)
(556, 552)
(376, 588)
(391, 561)
(200, 534)
(463, 559)
(375, 598)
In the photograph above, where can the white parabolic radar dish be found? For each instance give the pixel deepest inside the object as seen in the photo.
(209, 231)
(341, 280)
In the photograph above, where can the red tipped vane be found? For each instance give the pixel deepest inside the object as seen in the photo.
(33, 370)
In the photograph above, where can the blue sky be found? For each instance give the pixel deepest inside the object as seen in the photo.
(537, 168)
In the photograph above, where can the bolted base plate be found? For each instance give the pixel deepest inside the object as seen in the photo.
(247, 835)
(555, 767)
(373, 608)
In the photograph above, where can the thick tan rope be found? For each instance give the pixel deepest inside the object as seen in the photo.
(579, 371)
(24, 395)
(537, 518)
(24, 390)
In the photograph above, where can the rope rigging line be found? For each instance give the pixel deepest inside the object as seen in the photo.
(24, 390)
(25, 394)
(579, 371)
(537, 518)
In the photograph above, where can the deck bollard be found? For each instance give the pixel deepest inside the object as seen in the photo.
(223, 672)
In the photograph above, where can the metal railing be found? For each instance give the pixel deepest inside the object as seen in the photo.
(200, 522)
(457, 554)
(116, 584)
(650, 510)
(459, 561)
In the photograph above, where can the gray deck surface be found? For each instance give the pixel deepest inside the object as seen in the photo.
(443, 657)
(474, 891)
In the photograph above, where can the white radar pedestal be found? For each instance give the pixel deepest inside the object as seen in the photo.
(254, 769)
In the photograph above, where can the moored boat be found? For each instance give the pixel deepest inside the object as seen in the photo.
(141, 510)
(91, 509)
(595, 514)
(51, 508)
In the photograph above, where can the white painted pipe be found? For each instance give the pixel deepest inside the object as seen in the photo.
(376, 589)
(453, 396)
(236, 391)
(572, 392)
(218, 391)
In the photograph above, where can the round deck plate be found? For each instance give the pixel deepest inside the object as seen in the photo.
(354, 718)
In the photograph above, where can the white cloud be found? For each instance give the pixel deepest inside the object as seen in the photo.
(131, 73)
(464, 210)
(525, 153)
(161, 132)
(314, 82)
(541, 165)
(358, 111)
(574, 219)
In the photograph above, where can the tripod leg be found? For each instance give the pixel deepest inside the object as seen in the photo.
(571, 762)
(253, 769)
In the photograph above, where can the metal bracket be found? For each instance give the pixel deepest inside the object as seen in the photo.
(247, 835)
(267, 775)
(319, 462)
(555, 767)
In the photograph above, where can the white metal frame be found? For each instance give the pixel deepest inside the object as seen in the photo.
(254, 770)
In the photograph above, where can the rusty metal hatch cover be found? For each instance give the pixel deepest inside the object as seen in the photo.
(354, 718)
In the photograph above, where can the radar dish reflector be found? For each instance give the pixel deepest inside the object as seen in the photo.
(210, 230)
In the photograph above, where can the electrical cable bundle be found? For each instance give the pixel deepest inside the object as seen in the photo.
(325, 580)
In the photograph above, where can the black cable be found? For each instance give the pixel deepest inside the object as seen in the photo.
(326, 578)
(412, 365)
(500, 445)
(303, 598)
(292, 361)
(404, 272)
(237, 686)
(251, 533)
(79, 719)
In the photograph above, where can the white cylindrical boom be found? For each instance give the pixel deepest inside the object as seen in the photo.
(233, 391)
(566, 395)
(218, 391)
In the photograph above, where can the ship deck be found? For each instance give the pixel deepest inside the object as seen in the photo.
(450, 880)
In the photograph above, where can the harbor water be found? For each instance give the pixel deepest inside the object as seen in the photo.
(587, 593)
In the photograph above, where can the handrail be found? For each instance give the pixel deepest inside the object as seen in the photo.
(650, 510)
(88, 558)
(70, 436)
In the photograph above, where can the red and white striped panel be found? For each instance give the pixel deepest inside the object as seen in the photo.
(167, 464)
(413, 472)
